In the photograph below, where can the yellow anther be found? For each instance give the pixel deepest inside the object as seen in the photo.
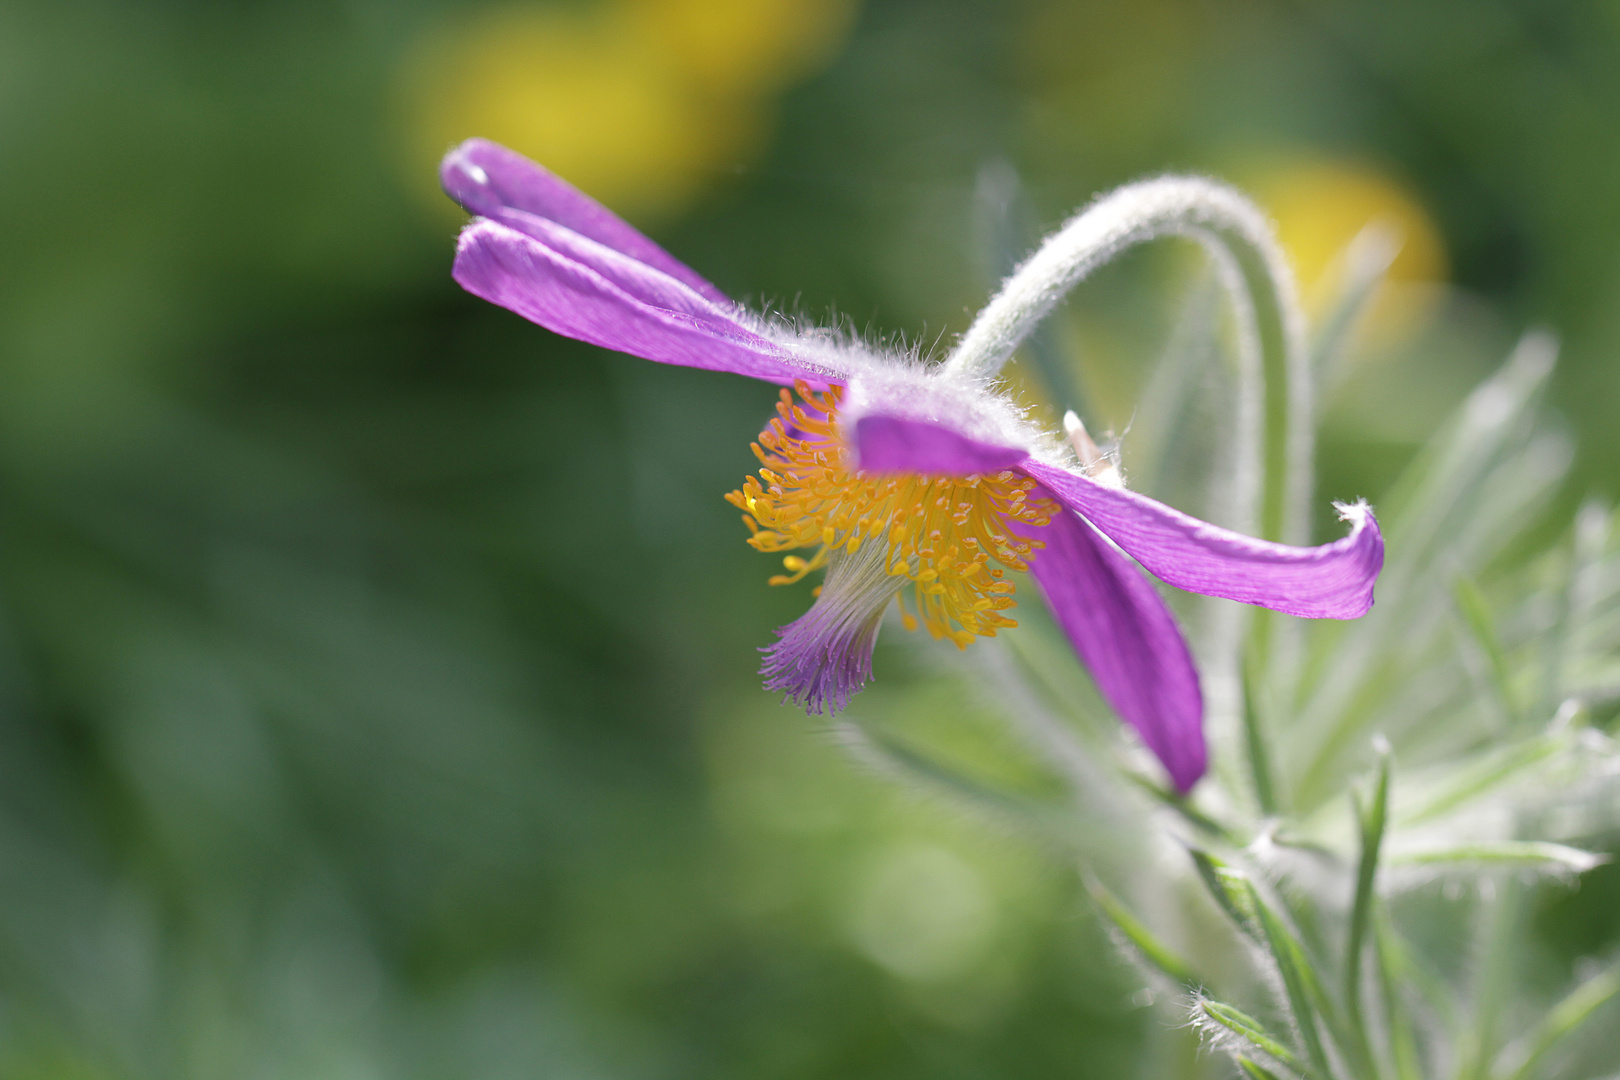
(942, 532)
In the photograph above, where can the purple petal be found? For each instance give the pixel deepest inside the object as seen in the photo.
(1127, 637)
(894, 444)
(583, 289)
(492, 181)
(1333, 581)
(822, 658)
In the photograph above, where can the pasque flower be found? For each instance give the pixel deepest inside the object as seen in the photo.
(907, 481)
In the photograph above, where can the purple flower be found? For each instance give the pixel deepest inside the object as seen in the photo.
(899, 478)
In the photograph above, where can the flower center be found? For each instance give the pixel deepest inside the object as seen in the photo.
(948, 537)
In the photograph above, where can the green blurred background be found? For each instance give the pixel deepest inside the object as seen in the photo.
(377, 691)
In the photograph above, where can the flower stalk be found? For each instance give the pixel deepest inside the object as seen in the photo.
(1274, 400)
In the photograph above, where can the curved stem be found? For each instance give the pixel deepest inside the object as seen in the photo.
(1271, 326)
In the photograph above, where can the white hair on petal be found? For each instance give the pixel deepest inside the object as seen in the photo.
(895, 377)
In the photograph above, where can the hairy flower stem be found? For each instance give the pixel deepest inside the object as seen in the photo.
(1273, 425)
(1274, 371)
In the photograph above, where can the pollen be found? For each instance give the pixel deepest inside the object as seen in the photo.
(950, 539)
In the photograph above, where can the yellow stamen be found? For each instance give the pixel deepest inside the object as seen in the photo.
(942, 532)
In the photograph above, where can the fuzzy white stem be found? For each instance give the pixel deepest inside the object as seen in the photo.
(1271, 325)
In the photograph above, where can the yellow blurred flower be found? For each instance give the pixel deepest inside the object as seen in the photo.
(639, 102)
(742, 47)
(1320, 207)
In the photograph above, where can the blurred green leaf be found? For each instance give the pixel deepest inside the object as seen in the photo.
(1476, 614)
(1536, 855)
(908, 765)
(1436, 523)
(1392, 971)
(1228, 888)
(1301, 982)
(1256, 738)
(1257, 1072)
(1142, 941)
(1564, 1018)
(1460, 782)
(1370, 821)
(1250, 1030)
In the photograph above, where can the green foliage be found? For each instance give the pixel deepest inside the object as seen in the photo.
(1256, 1072)
(1140, 938)
(1250, 1030)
